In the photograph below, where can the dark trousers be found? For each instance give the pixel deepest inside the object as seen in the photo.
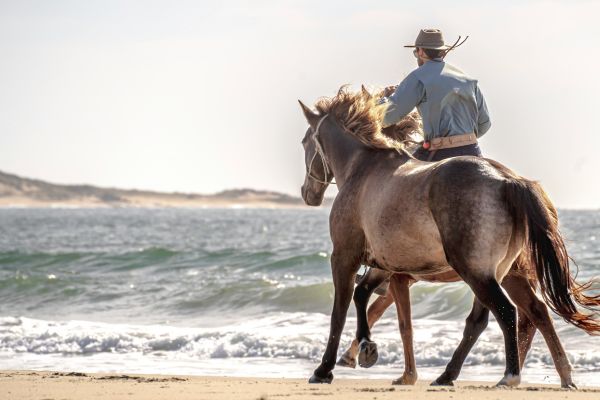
(468, 150)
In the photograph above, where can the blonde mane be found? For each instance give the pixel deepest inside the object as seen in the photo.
(361, 116)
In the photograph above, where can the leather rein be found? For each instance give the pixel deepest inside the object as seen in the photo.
(321, 153)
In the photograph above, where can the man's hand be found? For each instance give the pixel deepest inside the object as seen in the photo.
(388, 91)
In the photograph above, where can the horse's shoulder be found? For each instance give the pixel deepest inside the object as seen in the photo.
(344, 224)
(343, 208)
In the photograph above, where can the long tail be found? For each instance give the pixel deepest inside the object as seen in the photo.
(530, 206)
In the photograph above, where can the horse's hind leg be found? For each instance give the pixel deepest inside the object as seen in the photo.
(367, 349)
(523, 295)
(525, 333)
(343, 267)
(400, 286)
(475, 324)
(376, 310)
(490, 294)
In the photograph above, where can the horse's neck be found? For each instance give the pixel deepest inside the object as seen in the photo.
(344, 152)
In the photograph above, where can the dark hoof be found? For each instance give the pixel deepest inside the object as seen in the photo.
(318, 379)
(442, 381)
(570, 386)
(346, 361)
(367, 353)
(509, 380)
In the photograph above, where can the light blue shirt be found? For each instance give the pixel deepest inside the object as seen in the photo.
(450, 102)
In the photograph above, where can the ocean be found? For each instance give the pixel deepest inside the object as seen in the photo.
(237, 292)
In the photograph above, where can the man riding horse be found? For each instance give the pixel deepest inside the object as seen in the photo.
(468, 217)
(451, 105)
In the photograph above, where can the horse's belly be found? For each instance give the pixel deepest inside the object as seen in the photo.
(408, 256)
(403, 238)
(421, 267)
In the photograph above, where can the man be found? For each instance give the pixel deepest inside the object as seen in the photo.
(450, 103)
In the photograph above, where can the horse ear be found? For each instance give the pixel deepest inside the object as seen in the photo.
(309, 114)
(365, 92)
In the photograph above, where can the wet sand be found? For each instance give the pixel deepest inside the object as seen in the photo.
(59, 385)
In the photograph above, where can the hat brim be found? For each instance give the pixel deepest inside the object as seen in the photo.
(444, 47)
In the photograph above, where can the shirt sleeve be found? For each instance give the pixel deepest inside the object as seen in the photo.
(409, 94)
(483, 116)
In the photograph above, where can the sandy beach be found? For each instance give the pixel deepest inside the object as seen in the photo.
(59, 385)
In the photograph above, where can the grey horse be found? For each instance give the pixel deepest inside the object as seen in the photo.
(464, 215)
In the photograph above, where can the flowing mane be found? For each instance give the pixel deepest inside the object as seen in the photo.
(360, 115)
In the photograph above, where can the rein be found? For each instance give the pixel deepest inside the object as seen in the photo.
(320, 152)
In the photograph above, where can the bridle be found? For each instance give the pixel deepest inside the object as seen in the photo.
(320, 152)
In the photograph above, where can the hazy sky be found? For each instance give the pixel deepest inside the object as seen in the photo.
(201, 96)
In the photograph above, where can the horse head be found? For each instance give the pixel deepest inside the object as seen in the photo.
(318, 172)
(345, 124)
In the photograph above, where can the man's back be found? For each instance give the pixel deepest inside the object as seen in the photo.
(450, 106)
(449, 101)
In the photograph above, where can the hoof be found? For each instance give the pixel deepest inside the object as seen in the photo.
(405, 379)
(347, 361)
(568, 385)
(509, 380)
(318, 379)
(367, 353)
(443, 380)
(439, 382)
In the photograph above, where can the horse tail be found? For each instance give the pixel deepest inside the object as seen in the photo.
(533, 211)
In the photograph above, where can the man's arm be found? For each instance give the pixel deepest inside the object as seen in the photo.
(409, 93)
(483, 116)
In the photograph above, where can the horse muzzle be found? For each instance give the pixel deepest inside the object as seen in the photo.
(310, 196)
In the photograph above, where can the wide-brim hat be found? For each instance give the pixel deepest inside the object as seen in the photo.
(433, 39)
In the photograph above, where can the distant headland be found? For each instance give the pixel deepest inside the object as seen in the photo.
(16, 191)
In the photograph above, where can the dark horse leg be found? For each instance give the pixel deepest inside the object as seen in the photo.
(525, 333)
(489, 293)
(475, 324)
(367, 349)
(524, 296)
(344, 266)
(374, 313)
(533, 314)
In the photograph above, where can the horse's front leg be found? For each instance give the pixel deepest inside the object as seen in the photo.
(400, 288)
(343, 267)
(367, 349)
(374, 313)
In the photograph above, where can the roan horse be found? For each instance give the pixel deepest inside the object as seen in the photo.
(465, 215)
(519, 284)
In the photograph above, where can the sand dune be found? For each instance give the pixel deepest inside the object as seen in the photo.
(16, 191)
